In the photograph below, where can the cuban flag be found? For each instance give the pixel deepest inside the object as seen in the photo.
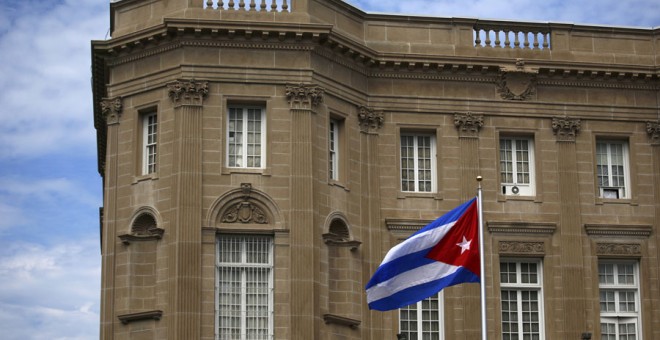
(442, 254)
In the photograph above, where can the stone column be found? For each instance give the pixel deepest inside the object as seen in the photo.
(375, 242)
(572, 313)
(463, 302)
(185, 236)
(111, 109)
(653, 129)
(305, 238)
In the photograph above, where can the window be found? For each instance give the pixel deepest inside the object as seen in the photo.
(245, 287)
(149, 142)
(612, 169)
(333, 150)
(619, 300)
(423, 320)
(418, 163)
(517, 166)
(522, 310)
(246, 137)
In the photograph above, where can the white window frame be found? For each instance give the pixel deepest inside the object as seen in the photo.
(518, 185)
(619, 317)
(420, 325)
(240, 160)
(149, 143)
(519, 288)
(611, 189)
(405, 181)
(333, 149)
(243, 266)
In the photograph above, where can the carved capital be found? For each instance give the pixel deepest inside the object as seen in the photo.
(111, 108)
(619, 249)
(187, 92)
(565, 128)
(516, 85)
(653, 129)
(468, 125)
(521, 247)
(370, 120)
(304, 95)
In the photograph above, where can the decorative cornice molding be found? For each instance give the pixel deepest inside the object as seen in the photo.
(521, 247)
(619, 249)
(524, 228)
(468, 125)
(653, 129)
(406, 225)
(612, 230)
(596, 84)
(516, 85)
(188, 92)
(111, 109)
(304, 95)
(566, 128)
(370, 120)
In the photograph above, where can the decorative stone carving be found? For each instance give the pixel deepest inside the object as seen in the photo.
(468, 125)
(245, 211)
(653, 129)
(516, 85)
(111, 108)
(369, 119)
(304, 94)
(187, 92)
(619, 249)
(565, 128)
(521, 247)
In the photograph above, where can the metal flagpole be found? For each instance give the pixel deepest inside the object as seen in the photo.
(482, 262)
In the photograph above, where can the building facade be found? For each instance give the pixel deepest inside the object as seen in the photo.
(259, 158)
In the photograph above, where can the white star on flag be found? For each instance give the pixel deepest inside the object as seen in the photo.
(465, 245)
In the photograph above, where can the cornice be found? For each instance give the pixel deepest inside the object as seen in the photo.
(526, 228)
(611, 230)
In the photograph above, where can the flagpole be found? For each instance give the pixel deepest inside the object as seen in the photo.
(482, 262)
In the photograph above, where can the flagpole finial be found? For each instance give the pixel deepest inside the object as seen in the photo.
(479, 178)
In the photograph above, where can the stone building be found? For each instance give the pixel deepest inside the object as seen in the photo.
(260, 157)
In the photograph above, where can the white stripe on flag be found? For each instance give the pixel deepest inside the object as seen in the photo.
(418, 242)
(430, 272)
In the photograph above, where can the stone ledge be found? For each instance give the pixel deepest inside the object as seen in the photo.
(340, 320)
(147, 315)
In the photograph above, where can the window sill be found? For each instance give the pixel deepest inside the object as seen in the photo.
(504, 198)
(147, 177)
(253, 171)
(414, 194)
(334, 183)
(628, 201)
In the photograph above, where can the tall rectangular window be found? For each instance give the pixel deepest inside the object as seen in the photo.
(245, 287)
(149, 142)
(521, 294)
(418, 158)
(612, 169)
(246, 133)
(333, 149)
(517, 166)
(619, 300)
(422, 320)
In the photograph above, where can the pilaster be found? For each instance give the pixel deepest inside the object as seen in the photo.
(185, 282)
(305, 238)
(462, 302)
(111, 109)
(653, 130)
(572, 316)
(375, 245)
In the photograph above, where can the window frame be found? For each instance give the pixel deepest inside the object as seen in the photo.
(146, 167)
(519, 287)
(607, 192)
(618, 317)
(334, 151)
(525, 189)
(242, 266)
(419, 320)
(433, 159)
(244, 108)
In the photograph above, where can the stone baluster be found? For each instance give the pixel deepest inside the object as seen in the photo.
(488, 41)
(536, 40)
(546, 40)
(507, 41)
(209, 4)
(221, 5)
(477, 37)
(241, 5)
(516, 42)
(526, 39)
(497, 38)
(231, 5)
(263, 6)
(253, 5)
(285, 6)
(273, 6)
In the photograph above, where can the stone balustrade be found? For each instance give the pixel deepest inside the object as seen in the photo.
(502, 35)
(248, 5)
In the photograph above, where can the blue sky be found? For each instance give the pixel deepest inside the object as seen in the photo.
(50, 190)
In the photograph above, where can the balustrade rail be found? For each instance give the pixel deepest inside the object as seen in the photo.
(537, 38)
(248, 5)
